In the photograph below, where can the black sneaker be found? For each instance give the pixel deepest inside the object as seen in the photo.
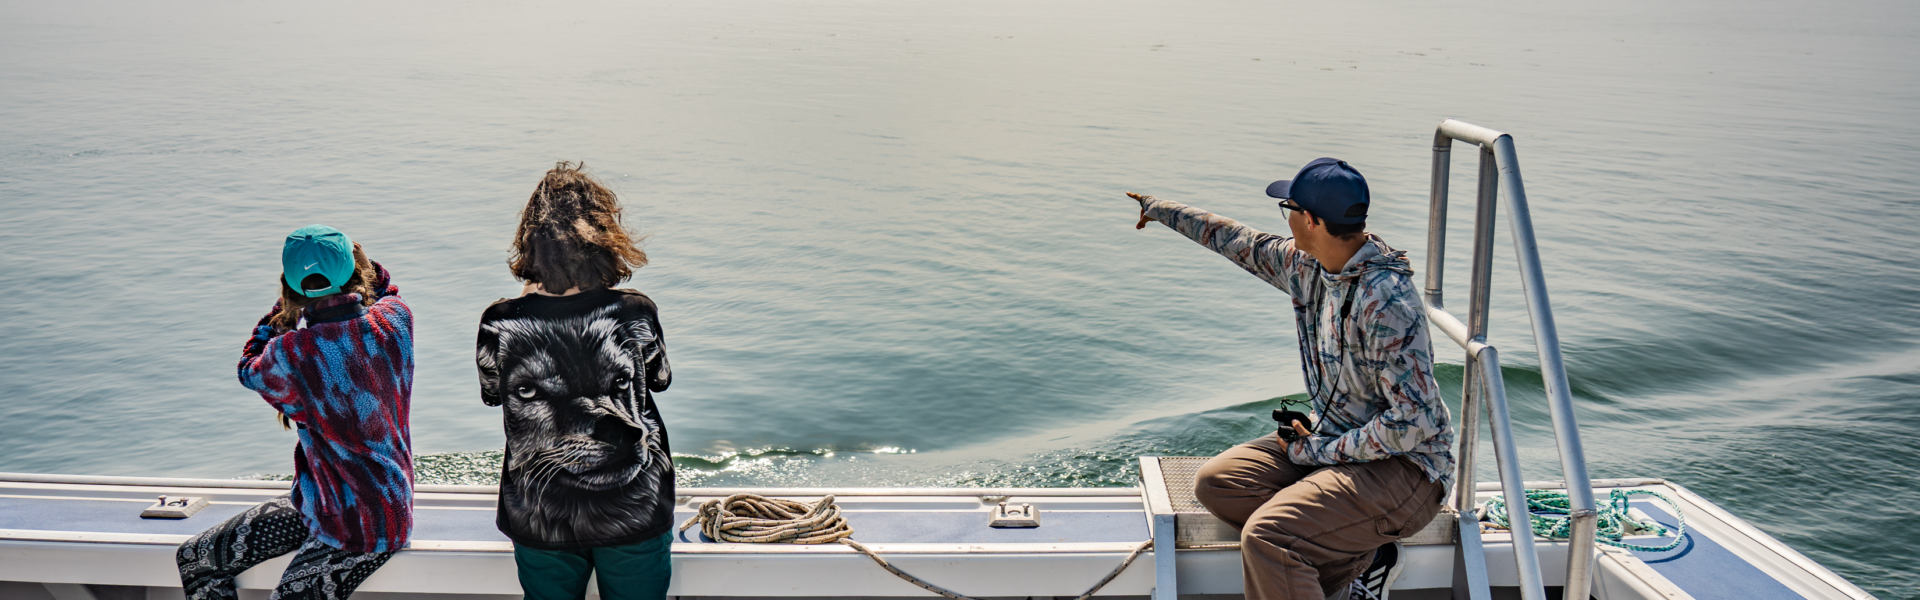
(1374, 582)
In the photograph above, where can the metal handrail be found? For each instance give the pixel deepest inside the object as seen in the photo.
(1484, 385)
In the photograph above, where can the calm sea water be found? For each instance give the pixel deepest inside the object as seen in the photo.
(890, 242)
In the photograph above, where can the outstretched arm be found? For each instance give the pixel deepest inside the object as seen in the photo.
(1270, 257)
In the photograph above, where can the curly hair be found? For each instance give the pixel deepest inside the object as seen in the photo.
(571, 236)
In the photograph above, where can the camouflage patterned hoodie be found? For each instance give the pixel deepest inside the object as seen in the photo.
(1363, 343)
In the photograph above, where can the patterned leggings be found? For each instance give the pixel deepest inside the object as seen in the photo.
(209, 561)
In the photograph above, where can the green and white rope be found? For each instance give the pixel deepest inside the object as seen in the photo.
(752, 518)
(1547, 511)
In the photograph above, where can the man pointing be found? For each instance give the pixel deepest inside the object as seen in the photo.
(1376, 463)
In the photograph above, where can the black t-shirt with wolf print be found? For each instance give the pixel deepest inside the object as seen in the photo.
(587, 463)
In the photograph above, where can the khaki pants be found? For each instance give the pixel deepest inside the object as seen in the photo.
(1306, 532)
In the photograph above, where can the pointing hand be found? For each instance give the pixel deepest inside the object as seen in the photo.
(1144, 219)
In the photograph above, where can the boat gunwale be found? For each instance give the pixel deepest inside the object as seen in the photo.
(716, 492)
(721, 492)
(1088, 548)
(1730, 523)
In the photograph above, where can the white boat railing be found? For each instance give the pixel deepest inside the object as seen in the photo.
(721, 492)
(1483, 384)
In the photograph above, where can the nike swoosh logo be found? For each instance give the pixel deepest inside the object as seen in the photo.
(309, 266)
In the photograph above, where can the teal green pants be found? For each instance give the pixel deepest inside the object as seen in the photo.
(639, 571)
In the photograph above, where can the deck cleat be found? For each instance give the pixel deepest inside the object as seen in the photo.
(174, 507)
(1005, 516)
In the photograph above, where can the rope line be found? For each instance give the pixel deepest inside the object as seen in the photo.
(752, 518)
(1547, 511)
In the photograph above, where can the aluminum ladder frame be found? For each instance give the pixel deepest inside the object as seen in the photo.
(1483, 384)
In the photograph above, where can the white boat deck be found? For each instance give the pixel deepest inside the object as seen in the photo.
(62, 536)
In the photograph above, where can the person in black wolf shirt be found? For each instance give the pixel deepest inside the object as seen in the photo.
(587, 483)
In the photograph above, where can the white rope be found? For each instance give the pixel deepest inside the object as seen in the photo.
(752, 518)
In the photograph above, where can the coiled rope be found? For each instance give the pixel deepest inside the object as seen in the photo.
(753, 518)
(1547, 511)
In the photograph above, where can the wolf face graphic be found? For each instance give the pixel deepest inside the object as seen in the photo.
(584, 446)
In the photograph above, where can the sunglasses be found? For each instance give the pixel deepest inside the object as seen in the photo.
(1289, 205)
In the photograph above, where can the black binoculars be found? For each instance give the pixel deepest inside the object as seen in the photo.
(1286, 418)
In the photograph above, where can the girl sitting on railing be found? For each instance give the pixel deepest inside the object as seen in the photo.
(335, 357)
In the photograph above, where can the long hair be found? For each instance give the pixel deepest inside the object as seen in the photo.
(292, 302)
(571, 236)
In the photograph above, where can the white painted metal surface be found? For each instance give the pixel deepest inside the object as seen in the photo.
(484, 569)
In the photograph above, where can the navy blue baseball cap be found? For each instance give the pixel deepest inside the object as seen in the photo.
(1329, 188)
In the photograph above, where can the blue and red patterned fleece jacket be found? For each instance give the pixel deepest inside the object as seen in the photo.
(346, 378)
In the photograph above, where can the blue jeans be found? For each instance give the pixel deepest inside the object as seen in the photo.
(638, 571)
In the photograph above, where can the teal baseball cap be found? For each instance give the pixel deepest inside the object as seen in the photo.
(317, 250)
